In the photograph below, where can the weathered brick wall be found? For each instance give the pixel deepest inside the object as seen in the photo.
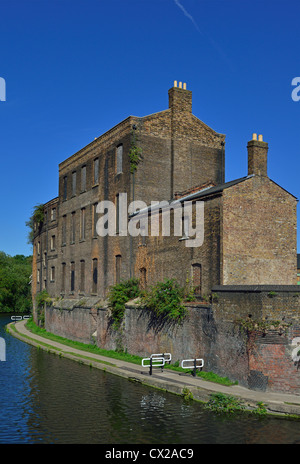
(272, 315)
(259, 242)
(72, 319)
(264, 357)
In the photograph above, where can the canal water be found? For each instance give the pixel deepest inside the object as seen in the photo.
(47, 399)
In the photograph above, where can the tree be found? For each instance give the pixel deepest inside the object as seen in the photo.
(15, 288)
(36, 218)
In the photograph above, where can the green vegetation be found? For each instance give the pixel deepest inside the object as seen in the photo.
(165, 300)
(221, 403)
(118, 354)
(187, 394)
(262, 325)
(135, 153)
(118, 296)
(37, 218)
(15, 288)
(42, 298)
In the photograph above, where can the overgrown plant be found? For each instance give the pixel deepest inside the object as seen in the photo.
(41, 298)
(189, 290)
(36, 218)
(221, 403)
(165, 300)
(135, 153)
(119, 295)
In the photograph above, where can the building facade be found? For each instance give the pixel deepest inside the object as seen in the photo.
(249, 224)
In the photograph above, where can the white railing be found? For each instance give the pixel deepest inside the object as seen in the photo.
(198, 363)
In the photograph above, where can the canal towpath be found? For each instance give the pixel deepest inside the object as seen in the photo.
(168, 380)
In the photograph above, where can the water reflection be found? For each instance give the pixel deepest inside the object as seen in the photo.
(48, 399)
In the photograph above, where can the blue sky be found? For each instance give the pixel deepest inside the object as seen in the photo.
(74, 68)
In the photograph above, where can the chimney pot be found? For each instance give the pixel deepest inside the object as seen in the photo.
(180, 85)
(175, 83)
(260, 138)
(254, 136)
(184, 85)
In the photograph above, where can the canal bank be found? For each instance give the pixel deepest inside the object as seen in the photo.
(168, 380)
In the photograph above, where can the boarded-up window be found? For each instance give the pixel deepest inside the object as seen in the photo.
(63, 277)
(65, 188)
(73, 227)
(82, 224)
(96, 171)
(52, 243)
(119, 159)
(82, 276)
(72, 277)
(64, 229)
(118, 269)
(95, 217)
(83, 178)
(197, 278)
(74, 183)
(95, 275)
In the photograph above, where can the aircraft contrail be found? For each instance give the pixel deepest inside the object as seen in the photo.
(187, 14)
(213, 43)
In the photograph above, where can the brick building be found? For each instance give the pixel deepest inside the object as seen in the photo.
(249, 223)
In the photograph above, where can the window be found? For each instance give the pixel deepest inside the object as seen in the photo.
(72, 286)
(44, 258)
(53, 214)
(65, 188)
(83, 178)
(95, 219)
(52, 242)
(63, 277)
(96, 171)
(185, 226)
(82, 224)
(119, 159)
(95, 275)
(118, 269)
(52, 274)
(38, 248)
(196, 268)
(38, 276)
(117, 214)
(73, 183)
(82, 276)
(73, 227)
(64, 230)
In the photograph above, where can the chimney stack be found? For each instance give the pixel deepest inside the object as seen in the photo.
(180, 99)
(257, 156)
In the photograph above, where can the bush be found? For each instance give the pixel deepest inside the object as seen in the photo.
(165, 300)
(118, 296)
(221, 403)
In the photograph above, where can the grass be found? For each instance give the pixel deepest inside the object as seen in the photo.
(121, 355)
